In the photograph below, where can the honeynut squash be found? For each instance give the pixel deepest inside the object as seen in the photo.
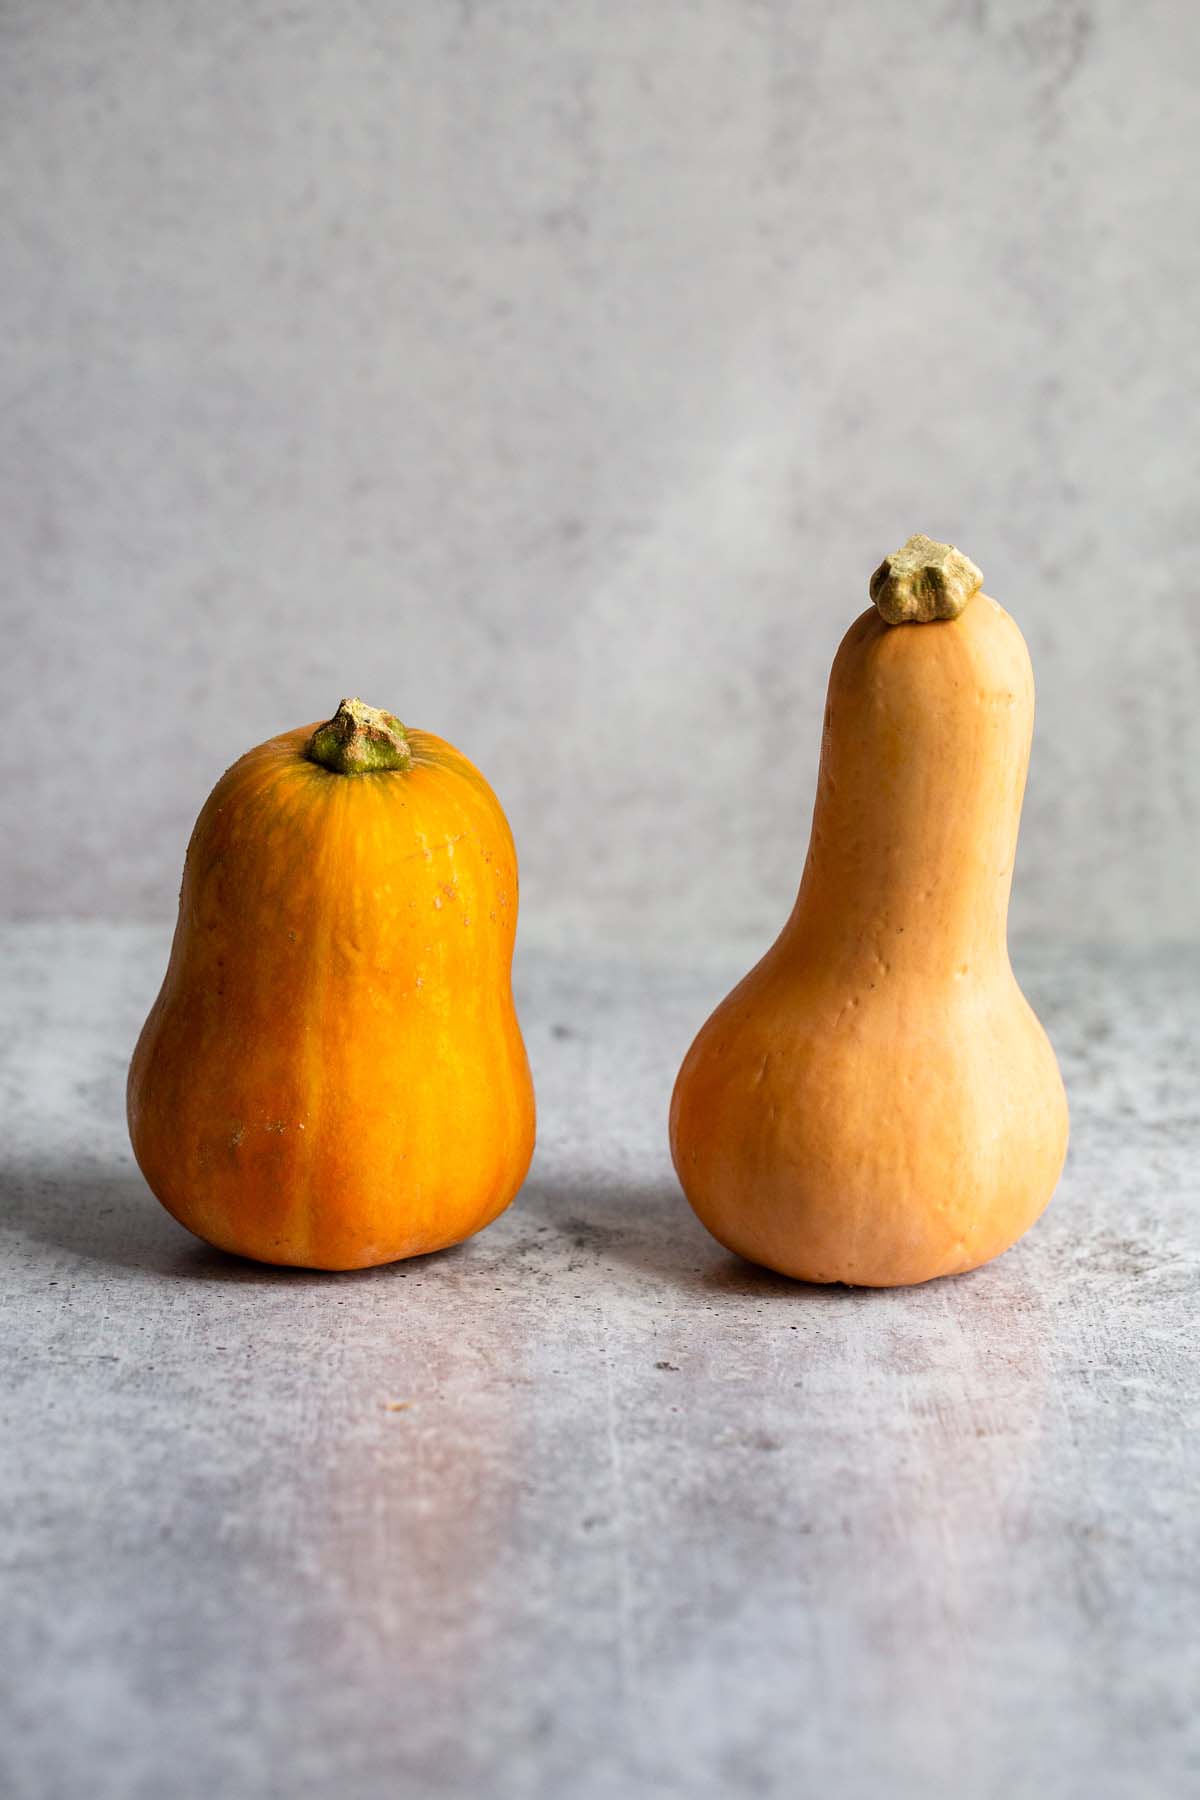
(333, 1074)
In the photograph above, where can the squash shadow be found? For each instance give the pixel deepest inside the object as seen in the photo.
(91, 1211)
(646, 1232)
(108, 1216)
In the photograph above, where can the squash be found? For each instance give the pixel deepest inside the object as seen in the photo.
(333, 1075)
(876, 1102)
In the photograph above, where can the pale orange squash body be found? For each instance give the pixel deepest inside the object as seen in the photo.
(333, 1074)
(876, 1102)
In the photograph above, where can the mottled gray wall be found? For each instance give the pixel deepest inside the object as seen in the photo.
(555, 374)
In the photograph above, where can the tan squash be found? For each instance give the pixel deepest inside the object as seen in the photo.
(876, 1102)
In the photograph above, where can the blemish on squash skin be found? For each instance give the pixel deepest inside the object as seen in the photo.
(428, 851)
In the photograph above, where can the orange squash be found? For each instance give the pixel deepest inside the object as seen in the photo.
(333, 1073)
(876, 1102)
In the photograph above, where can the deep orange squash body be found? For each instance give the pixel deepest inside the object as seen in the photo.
(333, 1073)
(876, 1102)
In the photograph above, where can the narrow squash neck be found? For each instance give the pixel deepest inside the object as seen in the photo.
(923, 764)
(360, 740)
(941, 905)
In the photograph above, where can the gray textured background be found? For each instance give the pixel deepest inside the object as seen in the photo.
(555, 376)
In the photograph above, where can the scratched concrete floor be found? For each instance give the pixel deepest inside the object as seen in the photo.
(587, 1508)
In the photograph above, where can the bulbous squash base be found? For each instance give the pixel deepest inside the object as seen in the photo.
(794, 1154)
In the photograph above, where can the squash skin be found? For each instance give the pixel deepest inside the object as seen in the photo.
(333, 1075)
(876, 1102)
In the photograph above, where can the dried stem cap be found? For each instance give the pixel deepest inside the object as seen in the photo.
(922, 581)
(360, 740)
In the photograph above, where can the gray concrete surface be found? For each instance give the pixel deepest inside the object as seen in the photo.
(587, 1507)
(556, 376)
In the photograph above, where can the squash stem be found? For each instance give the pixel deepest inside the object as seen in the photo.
(360, 740)
(922, 581)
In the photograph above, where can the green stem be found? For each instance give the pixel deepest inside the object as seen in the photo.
(360, 740)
